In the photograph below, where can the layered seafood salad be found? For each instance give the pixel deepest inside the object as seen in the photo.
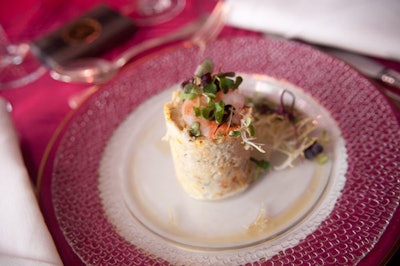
(221, 141)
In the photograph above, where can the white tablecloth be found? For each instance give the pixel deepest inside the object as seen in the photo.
(369, 27)
(24, 237)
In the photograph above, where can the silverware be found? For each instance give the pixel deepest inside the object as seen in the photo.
(367, 66)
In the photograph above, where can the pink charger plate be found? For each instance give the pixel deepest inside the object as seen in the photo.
(360, 228)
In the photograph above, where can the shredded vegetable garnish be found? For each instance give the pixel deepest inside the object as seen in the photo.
(247, 132)
(271, 129)
(285, 131)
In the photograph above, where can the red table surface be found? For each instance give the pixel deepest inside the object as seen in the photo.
(41, 107)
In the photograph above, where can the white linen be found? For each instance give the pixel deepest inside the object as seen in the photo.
(24, 237)
(369, 27)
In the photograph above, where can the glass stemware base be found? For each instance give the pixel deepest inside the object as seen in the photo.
(20, 72)
(152, 12)
(18, 66)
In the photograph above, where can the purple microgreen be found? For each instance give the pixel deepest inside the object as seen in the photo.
(206, 79)
(191, 80)
(287, 111)
(228, 114)
(313, 150)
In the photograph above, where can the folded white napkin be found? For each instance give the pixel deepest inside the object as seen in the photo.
(24, 237)
(369, 27)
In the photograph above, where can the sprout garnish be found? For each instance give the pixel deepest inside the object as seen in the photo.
(207, 85)
(287, 131)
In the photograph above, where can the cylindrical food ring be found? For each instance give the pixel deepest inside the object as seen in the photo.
(207, 168)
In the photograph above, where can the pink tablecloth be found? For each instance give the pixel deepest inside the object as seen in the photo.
(40, 107)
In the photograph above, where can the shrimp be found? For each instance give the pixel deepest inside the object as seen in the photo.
(189, 117)
(235, 99)
(209, 128)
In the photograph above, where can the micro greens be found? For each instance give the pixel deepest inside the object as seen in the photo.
(195, 129)
(247, 131)
(206, 84)
(207, 66)
(246, 126)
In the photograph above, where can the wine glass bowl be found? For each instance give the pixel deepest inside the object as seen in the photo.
(18, 66)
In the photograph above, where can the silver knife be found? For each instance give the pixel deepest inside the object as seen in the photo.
(367, 66)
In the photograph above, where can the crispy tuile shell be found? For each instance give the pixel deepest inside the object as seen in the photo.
(206, 168)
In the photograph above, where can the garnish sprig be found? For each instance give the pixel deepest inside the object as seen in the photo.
(288, 131)
(207, 85)
(246, 132)
(287, 111)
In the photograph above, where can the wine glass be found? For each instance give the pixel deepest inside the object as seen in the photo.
(152, 12)
(18, 66)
